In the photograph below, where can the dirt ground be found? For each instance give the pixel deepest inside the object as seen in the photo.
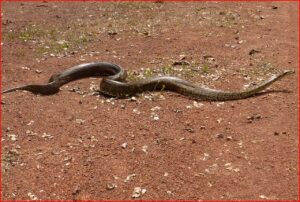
(78, 144)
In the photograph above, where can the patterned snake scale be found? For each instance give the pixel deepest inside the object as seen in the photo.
(114, 83)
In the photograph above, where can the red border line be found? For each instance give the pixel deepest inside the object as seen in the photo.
(298, 97)
(150, 1)
(230, 1)
(1, 99)
(153, 200)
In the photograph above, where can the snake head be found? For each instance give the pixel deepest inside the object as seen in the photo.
(286, 72)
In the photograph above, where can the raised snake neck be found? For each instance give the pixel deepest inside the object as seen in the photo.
(114, 83)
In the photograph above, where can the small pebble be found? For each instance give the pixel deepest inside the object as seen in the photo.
(253, 117)
(136, 111)
(79, 121)
(197, 104)
(157, 108)
(154, 116)
(124, 145)
(76, 190)
(220, 135)
(182, 57)
(32, 196)
(133, 99)
(130, 177)
(253, 51)
(202, 127)
(12, 137)
(145, 149)
(205, 156)
(219, 120)
(110, 186)
(191, 130)
(47, 136)
(25, 68)
(138, 192)
(30, 123)
(220, 104)
(181, 62)
(263, 197)
(38, 71)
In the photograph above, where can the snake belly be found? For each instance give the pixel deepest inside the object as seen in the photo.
(114, 83)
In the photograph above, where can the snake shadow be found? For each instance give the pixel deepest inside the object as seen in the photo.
(271, 92)
(267, 92)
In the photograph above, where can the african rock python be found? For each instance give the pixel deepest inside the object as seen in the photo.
(114, 83)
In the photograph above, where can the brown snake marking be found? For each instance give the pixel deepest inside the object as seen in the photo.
(114, 83)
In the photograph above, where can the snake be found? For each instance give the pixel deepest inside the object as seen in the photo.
(114, 83)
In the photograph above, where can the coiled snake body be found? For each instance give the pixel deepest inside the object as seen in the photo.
(114, 83)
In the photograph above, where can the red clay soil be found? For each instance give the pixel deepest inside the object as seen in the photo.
(78, 144)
